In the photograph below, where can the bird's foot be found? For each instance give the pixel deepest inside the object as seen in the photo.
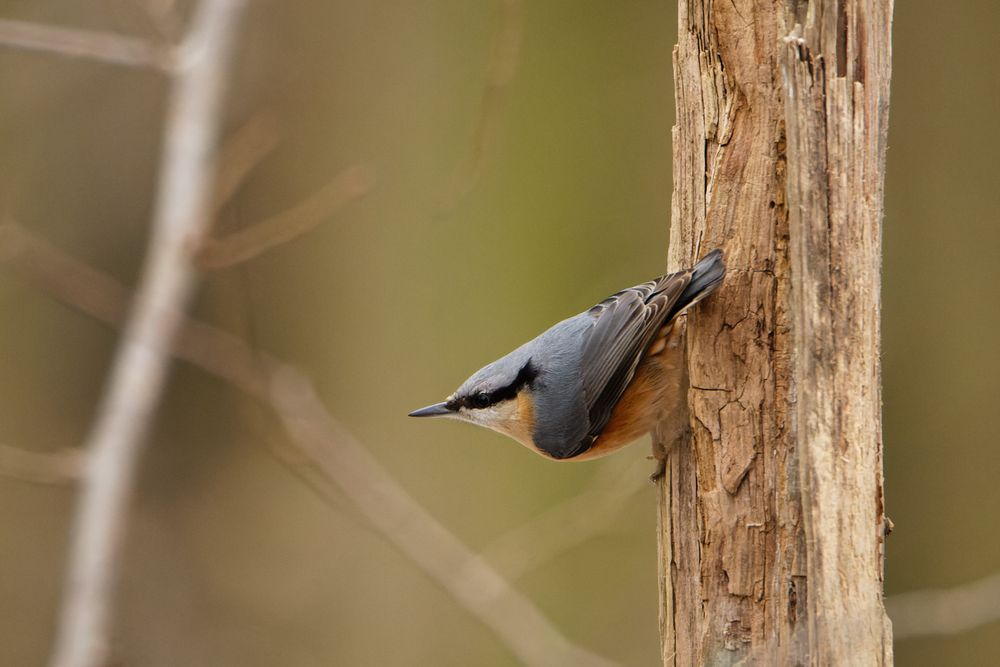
(660, 471)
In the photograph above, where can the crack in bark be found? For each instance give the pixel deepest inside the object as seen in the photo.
(749, 510)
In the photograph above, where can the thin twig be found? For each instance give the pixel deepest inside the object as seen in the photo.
(341, 458)
(946, 611)
(476, 585)
(163, 15)
(502, 65)
(76, 43)
(139, 369)
(568, 524)
(241, 152)
(283, 227)
(53, 467)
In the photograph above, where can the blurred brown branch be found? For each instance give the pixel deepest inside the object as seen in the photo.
(341, 458)
(163, 15)
(945, 611)
(568, 524)
(239, 155)
(288, 225)
(502, 65)
(138, 373)
(76, 43)
(241, 152)
(52, 467)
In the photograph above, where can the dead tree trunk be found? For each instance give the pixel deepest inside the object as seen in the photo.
(771, 517)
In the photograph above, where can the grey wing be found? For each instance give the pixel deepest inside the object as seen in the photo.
(624, 326)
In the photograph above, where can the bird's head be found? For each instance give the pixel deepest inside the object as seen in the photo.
(497, 396)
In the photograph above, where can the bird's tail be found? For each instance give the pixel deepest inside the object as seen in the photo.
(705, 277)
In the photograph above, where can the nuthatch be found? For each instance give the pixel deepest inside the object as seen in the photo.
(592, 383)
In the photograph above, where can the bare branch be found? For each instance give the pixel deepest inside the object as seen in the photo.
(502, 65)
(76, 43)
(53, 467)
(253, 241)
(341, 458)
(91, 291)
(476, 585)
(102, 297)
(568, 524)
(242, 152)
(946, 611)
(163, 15)
(139, 370)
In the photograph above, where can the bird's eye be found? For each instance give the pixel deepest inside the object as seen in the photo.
(481, 400)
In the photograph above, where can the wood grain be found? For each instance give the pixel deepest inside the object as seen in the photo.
(771, 513)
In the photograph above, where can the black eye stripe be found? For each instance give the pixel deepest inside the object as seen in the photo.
(480, 400)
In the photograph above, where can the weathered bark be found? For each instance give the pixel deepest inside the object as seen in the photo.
(771, 517)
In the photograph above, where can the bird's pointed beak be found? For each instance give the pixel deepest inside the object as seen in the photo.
(436, 410)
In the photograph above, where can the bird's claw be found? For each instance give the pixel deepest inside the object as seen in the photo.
(660, 471)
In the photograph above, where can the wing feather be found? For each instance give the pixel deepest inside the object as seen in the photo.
(625, 324)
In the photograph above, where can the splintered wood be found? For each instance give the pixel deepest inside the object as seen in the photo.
(771, 515)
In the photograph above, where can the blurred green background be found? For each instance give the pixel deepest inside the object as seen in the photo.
(232, 557)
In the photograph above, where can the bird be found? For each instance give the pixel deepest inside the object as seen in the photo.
(594, 382)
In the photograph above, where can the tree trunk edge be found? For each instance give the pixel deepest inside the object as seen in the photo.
(770, 519)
